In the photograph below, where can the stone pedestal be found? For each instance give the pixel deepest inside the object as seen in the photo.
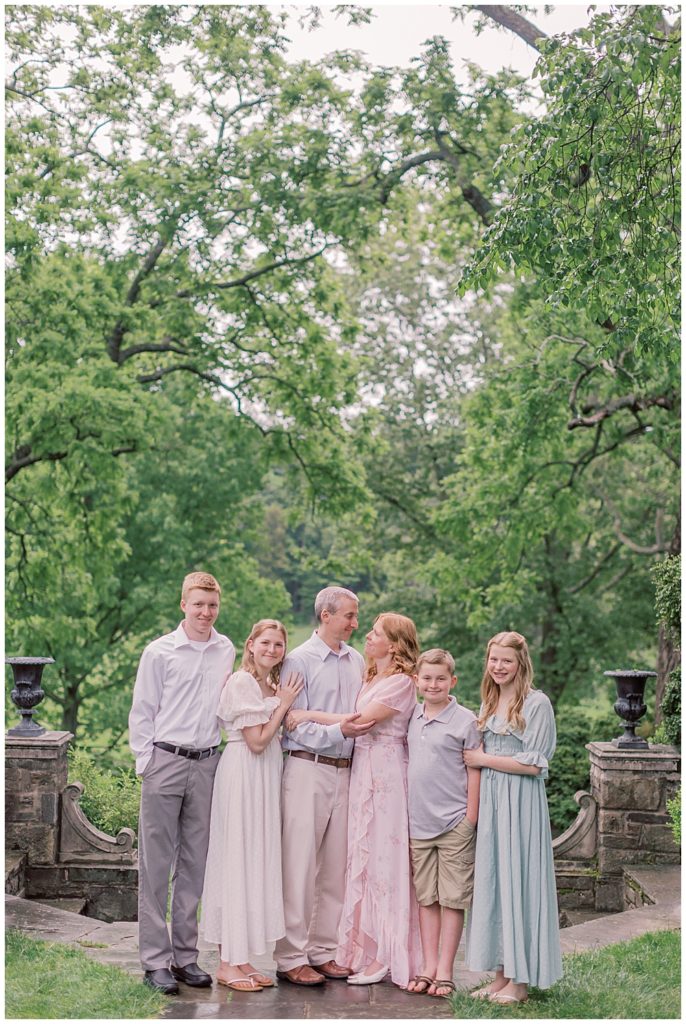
(631, 789)
(58, 852)
(35, 775)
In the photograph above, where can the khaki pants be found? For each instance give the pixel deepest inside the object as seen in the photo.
(314, 849)
(173, 835)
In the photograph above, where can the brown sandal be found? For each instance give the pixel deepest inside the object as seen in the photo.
(443, 984)
(420, 978)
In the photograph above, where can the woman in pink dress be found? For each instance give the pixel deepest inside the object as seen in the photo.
(379, 929)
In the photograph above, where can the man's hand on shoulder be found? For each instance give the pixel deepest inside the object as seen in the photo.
(351, 729)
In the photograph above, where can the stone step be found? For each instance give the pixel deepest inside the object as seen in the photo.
(653, 884)
(15, 865)
(73, 906)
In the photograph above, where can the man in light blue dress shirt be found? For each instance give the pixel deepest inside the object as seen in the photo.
(315, 793)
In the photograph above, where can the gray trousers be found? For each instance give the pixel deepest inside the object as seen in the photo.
(173, 834)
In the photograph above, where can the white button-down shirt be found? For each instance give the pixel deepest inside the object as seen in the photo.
(177, 691)
(333, 680)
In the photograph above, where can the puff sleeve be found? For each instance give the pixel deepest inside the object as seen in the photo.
(241, 703)
(539, 736)
(397, 692)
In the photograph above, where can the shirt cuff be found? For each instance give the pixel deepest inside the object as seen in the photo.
(335, 734)
(142, 762)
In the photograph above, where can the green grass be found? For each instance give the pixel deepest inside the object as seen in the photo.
(635, 980)
(44, 980)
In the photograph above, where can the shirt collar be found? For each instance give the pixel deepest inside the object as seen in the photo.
(182, 639)
(445, 715)
(323, 650)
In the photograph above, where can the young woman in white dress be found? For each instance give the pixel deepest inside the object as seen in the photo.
(242, 902)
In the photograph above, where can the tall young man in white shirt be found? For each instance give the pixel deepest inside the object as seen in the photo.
(174, 734)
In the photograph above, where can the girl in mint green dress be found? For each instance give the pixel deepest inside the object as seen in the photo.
(513, 926)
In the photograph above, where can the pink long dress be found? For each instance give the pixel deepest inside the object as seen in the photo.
(380, 918)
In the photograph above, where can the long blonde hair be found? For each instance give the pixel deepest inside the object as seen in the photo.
(402, 634)
(523, 681)
(248, 661)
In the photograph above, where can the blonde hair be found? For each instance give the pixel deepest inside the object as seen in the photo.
(523, 681)
(202, 580)
(248, 661)
(402, 634)
(437, 656)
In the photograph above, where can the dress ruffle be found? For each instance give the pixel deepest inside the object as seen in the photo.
(380, 914)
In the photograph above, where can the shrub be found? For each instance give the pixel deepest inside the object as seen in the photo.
(669, 729)
(674, 812)
(110, 799)
(570, 769)
(667, 578)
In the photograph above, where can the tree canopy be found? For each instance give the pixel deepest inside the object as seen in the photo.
(300, 322)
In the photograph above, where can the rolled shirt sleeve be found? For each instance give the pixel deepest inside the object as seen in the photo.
(539, 736)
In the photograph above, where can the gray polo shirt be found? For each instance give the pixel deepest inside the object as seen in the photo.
(436, 773)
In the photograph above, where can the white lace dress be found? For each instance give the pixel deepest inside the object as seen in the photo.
(242, 903)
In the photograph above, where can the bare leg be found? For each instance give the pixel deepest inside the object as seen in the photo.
(452, 922)
(430, 930)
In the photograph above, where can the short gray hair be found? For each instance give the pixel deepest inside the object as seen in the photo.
(329, 600)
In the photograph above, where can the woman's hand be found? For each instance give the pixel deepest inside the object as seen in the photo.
(287, 691)
(474, 758)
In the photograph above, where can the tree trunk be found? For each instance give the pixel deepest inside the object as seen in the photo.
(70, 711)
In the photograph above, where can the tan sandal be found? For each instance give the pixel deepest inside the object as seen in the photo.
(262, 979)
(240, 984)
(507, 1000)
(483, 992)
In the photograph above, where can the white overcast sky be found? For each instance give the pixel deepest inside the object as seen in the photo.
(397, 32)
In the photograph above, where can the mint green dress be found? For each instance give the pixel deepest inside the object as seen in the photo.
(513, 923)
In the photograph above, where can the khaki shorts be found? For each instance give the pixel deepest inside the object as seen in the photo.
(443, 867)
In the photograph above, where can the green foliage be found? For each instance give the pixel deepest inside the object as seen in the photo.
(640, 977)
(669, 729)
(110, 799)
(667, 579)
(48, 981)
(570, 767)
(594, 212)
(674, 811)
(233, 341)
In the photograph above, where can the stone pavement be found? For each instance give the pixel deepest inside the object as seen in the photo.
(117, 944)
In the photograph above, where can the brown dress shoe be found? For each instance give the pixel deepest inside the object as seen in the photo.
(303, 975)
(333, 971)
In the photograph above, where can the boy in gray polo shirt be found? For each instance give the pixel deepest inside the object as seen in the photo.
(443, 796)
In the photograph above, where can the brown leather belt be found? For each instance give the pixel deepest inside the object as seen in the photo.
(335, 762)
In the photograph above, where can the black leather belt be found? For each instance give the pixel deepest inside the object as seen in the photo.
(195, 755)
(335, 762)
